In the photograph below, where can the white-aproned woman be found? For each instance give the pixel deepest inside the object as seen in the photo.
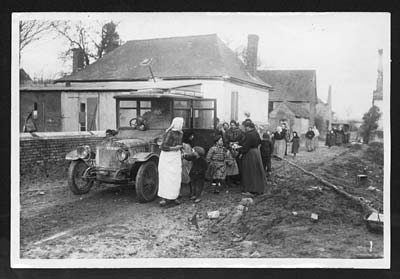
(170, 163)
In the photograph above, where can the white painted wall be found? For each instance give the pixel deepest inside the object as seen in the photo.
(250, 99)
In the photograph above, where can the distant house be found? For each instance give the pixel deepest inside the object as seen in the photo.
(295, 87)
(24, 78)
(203, 64)
(292, 113)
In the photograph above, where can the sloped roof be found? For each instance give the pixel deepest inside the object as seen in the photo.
(23, 76)
(297, 109)
(291, 85)
(203, 56)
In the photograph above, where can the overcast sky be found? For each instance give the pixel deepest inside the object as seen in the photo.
(341, 47)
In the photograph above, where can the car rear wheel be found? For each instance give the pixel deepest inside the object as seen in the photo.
(76, 183)
(147, 182)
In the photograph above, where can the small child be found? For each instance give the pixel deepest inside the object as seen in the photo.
(266, 150)
(197, 172)
(216, 157)
(295, 144)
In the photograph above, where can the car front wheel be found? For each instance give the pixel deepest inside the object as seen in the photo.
(147, 182)
(76, 183)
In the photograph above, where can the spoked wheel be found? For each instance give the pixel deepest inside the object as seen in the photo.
(147, 182)
(76, 183)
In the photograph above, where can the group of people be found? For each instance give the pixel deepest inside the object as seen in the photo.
(235, 156)
(336, 136)
(281, 139)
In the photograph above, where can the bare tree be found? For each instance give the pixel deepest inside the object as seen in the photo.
(95, 38)
(77, 34)
(31, 30)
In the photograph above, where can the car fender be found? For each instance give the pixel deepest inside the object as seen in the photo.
(144, 156)
(72, 156)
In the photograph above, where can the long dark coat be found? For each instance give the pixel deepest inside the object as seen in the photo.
(295, 145)
(252, 172)
(339, 137)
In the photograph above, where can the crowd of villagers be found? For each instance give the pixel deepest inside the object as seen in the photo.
(239, 156)
(336, 136)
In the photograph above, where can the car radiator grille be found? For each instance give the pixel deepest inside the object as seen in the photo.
(107, 158)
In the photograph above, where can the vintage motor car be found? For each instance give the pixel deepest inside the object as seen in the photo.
(130, 155)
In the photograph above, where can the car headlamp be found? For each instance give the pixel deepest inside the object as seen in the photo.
(84, 152)
(122, 155)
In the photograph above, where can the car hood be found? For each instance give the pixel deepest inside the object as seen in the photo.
(132, 136)
(132, 142)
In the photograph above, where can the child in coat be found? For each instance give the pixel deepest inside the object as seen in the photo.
(197, 173)
(216, 158)
(295, 144)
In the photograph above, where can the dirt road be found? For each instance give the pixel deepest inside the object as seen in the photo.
(109, 223)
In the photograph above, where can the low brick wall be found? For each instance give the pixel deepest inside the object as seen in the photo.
(47, 150)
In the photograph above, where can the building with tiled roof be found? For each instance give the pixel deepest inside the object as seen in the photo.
(294, 91)
(203, 61)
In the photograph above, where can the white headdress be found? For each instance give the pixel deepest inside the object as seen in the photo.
(176, 125)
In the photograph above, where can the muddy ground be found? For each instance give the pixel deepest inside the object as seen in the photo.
(109, 222)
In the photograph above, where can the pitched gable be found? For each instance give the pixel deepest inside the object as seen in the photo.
(290, 108)
(291, 85)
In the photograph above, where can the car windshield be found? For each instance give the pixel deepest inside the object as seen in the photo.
(156, 112)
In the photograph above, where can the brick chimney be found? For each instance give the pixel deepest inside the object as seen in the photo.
(77, 60)
(251, 55)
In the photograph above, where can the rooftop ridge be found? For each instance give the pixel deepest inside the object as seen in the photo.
(174, 38)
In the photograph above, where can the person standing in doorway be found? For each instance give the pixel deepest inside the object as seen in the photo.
(170, 163)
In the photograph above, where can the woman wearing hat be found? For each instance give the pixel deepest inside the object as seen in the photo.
(170, 163)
